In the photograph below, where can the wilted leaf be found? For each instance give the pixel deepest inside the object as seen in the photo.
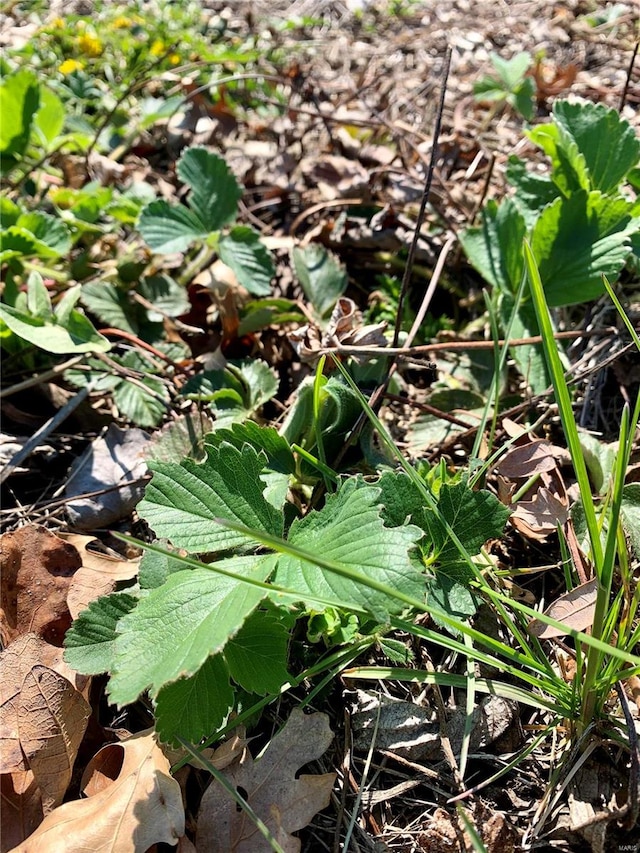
(132, 803)
(575, 609)
(285, 802)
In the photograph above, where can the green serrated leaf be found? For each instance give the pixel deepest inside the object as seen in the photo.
(257, 655)
(571, 269)
(568, 166)
(608, 143)
(197, 706)
(474, 516)
(401, 500)
(242, 250)
(495, 248)
(175, 628)
(215, 191)
(37, 234)
(166, 295)
(90, 642)
(111, 305)
(322, 277)
(511, 71)
(170, 228)
(533, 191)
(452, 597)
(279, 456)
(236, 392)
(182, 500)
(349, 530)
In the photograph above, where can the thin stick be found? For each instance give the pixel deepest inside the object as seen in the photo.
(627, 82)
(406, 279)
(41, 377)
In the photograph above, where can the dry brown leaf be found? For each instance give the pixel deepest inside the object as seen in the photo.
(37, 568)
(43, 718)
(132, 803)
(52, 718)
(285, 803)
(97, 575)
(21, 808)
(575, 609)
(16, 662)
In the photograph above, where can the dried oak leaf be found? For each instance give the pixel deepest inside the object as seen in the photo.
(285, 803)
(131, 804)
(97, 575)
(37, 569)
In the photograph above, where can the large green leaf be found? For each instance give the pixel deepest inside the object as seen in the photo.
(175, 628)
(111, 305)
(37, 234)
(474, 517)
(196, 706)
(495, 248)
(182, 500)
(49, 120)
(167, 296)
(257, 655)
(170, 228)
(242, 250)
(214, 192)
(19, 102)
(579, 239)
(349, 530)
(607, 142)
(76, 336)
(533, 191)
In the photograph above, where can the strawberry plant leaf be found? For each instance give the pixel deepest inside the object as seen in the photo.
(257, 655)
(155, 567)
(19, 102)
(175, 628)
(196, 706)
(571, 270)
(349, 529)
(168, 297)
(321, 276)
(214, 191)
(37, 234)
(49, 120)
(236, 392)
(474, 516)
(170, 228)
(90, 642)
(182, 500)
(495, 248)
(606, 141)
(276, 448)
(112, 306)
(242, 251)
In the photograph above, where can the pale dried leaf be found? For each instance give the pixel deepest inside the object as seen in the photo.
(521, 462)
(132, 803)
(97, 575)
(285, 803)
(113, 465)
(21, 807)
(575, 609)
(52, 718)
(539, 517)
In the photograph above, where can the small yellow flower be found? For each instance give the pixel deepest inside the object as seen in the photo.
(70, 65)
(89, 45)
(174, 59)
(122, 22)
(157, 48)
(57, 24)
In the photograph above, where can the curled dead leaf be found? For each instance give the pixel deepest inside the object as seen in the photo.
(97, 575)
(132, 803)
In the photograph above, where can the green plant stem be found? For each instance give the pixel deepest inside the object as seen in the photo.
(204, 256)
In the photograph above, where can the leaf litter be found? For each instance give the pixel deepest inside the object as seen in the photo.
(371, 150)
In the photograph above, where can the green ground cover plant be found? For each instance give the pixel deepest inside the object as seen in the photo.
(298, 545)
